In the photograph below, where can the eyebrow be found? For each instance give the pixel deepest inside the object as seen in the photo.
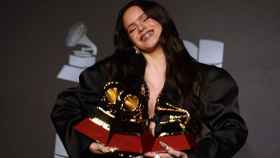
(136, 19)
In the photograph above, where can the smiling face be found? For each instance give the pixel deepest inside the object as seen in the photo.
(143, 31)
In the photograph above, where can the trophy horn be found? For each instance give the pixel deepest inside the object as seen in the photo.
(78, 35)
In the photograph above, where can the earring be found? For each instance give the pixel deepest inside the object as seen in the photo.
(137, 51)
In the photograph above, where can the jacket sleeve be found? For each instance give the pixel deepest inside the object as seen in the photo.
(227, 130)
(72, 106)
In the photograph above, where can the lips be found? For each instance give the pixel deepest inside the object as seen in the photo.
(144, 37)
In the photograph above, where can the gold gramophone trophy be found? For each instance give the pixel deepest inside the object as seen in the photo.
(119, 121)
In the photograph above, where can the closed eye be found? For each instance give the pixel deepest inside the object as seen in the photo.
(131, 30)
(145, 17)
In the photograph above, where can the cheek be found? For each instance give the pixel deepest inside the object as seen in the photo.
(154, 23)
(133, 38)
(158, 26)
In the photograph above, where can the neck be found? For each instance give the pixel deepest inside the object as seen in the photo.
(156, 58)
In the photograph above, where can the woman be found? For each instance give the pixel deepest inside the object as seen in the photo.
(149, 54)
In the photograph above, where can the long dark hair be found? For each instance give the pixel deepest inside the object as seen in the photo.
(181, 71)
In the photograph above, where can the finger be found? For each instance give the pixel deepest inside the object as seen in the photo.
(172, 151)
(106, 149)
(95, 148)
(150, 154)
(157, 155)
(175, 153)
(165, 146)
(165, 155)
(98, 148)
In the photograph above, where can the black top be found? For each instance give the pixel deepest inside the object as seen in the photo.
(226, 130)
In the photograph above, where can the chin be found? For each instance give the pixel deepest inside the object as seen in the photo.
(151, 48)
(150, 45)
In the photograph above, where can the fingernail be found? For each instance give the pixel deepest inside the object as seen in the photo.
(162, 143)
(113, 149)
(149, 153)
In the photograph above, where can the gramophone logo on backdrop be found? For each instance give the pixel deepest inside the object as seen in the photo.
(81, 58)
(208, 52)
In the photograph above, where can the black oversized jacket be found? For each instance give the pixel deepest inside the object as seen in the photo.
(227, 130)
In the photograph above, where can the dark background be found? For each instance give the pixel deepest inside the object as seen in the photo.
(33, 52)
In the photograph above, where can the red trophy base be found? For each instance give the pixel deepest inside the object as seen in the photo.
(132, 143)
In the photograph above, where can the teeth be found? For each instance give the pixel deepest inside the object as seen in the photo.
(147, 35)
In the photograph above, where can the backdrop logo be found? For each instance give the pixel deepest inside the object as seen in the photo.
(81, 58)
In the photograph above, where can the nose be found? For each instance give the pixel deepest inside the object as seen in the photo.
(141, 27)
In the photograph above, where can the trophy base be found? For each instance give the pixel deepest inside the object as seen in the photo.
(132, 143)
